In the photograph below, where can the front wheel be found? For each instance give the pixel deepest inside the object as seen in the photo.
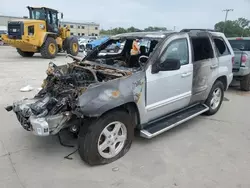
(215, 98)
(49, 49)
(106, 139)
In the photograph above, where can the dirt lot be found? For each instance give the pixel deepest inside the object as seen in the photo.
(204, 152)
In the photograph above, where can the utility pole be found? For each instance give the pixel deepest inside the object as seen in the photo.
(226, 10)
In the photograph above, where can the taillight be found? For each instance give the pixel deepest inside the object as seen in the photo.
(232, 60)
(243, 60)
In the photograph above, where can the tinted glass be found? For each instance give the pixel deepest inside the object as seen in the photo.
(177, 49)
(243, 45)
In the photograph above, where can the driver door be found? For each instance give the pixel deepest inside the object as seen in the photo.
(168, 91)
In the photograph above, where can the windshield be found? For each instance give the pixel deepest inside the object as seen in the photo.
(38, 14)
(243, 45)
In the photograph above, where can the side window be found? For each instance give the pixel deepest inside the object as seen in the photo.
(49, 18)
(177, 49)
(221, 47)
(54, 18)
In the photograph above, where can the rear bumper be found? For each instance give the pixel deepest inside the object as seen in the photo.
(242, 71)
(23, 44)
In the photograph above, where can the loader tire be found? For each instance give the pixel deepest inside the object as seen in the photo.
(245, 83)
(25, 54)
(72, 46)
(49, 49)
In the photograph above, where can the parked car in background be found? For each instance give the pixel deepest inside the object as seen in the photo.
(91, 45)
(241, 67)
(83, 41)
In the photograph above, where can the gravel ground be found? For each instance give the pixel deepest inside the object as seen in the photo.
(205, 152)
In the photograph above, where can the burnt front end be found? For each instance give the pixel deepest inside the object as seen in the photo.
(55, 106)
(33, 116)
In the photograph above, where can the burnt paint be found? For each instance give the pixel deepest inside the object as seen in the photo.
(94, 102)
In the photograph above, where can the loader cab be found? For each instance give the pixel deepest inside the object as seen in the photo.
(50, 16)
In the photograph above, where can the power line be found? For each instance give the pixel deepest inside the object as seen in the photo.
(226, 10)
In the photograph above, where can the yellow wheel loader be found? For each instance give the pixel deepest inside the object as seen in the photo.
(41, 34)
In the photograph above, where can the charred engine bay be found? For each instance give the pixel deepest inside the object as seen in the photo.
(64, 84)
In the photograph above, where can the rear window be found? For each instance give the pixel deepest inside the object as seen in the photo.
(221, 47)
(243, 45)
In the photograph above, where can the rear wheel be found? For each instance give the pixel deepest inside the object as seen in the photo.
(106, 139)
(49, 49)
(215, 98)
(25, 54)
(245, 83)
(73, 46)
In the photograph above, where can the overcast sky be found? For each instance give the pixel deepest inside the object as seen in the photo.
(138, 13)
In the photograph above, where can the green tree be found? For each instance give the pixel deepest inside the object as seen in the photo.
(119, 30)
(234, 28)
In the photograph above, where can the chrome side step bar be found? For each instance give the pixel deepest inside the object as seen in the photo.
(172, 121)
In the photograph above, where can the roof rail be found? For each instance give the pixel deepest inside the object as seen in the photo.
(188, 30)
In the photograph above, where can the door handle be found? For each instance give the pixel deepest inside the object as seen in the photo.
(214, 66)
(186, 74)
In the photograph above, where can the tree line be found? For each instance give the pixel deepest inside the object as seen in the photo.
(234, 28)
(120, 30)
(231, 28)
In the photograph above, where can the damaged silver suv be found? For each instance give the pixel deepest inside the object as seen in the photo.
(105, 97)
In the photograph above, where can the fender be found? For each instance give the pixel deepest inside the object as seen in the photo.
(102, 97)
(45, 35)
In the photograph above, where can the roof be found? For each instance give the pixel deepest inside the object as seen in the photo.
(42, 8)
(238, 38)
(188, 30)
(155, 34)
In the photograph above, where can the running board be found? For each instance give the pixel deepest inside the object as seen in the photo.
(169, 122)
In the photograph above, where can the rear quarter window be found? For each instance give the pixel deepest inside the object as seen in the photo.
(221, 46)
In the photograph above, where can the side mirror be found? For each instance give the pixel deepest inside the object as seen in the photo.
(167, 65)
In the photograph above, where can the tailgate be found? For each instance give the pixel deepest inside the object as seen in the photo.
(241, 47)
(237, 60)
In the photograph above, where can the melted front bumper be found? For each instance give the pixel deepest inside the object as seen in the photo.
(40, 126)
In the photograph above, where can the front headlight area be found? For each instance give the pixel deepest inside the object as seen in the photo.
(49, 125)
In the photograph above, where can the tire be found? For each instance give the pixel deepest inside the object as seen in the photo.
(245, 83)
(25, 54)
(91, 137)
(82, 47)
(49, 49)
(72, 46)
(214, 108)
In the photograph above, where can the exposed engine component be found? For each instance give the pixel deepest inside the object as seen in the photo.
(52, 107)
